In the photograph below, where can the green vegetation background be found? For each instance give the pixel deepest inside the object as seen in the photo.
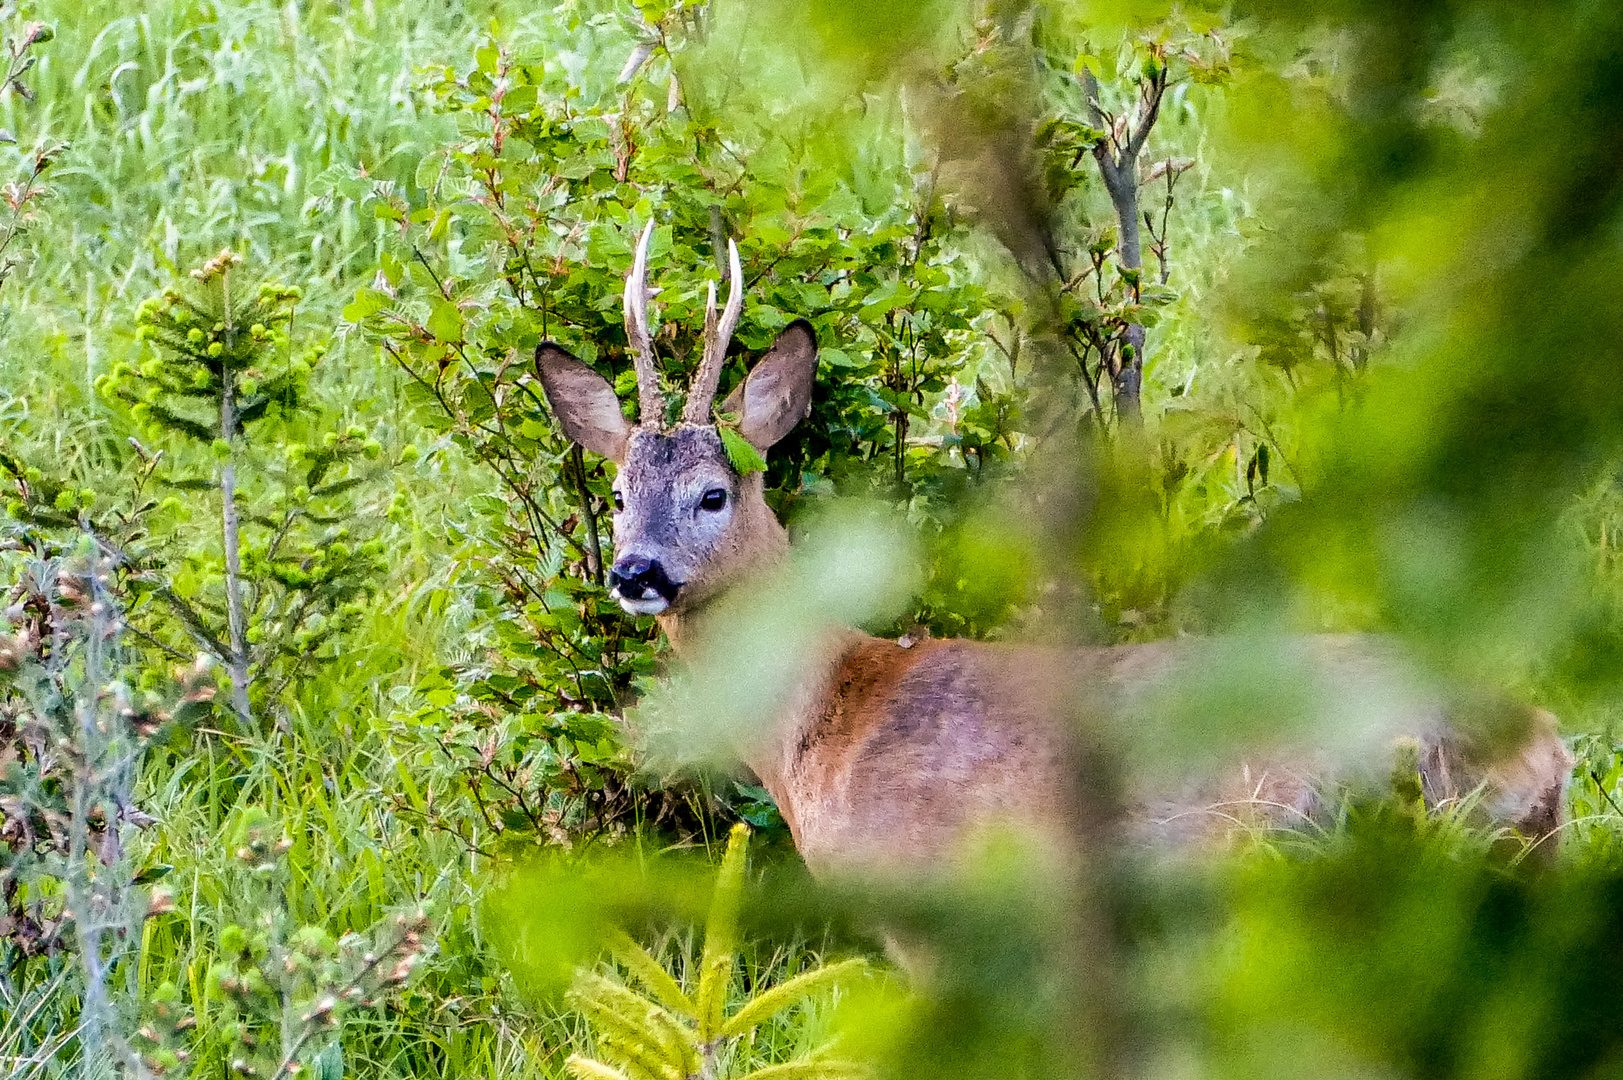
(1381, 391)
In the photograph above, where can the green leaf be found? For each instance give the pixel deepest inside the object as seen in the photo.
(392, 269)
(445, 323)
(329, 1064)
(441, 226)
(152, 873)
(368, 302)
(744, 457)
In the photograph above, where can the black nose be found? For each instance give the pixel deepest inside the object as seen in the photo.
(636, 578)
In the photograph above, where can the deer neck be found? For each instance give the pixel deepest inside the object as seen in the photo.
(772, 752)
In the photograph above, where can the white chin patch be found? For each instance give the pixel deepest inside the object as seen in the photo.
(651, 606)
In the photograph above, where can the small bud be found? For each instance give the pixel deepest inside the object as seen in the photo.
(323, 1009)
(216, 348)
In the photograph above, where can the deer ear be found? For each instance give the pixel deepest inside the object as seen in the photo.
(776, 394)
(584, 402)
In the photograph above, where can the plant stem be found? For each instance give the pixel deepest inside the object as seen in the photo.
(237, 661)
(594, 550)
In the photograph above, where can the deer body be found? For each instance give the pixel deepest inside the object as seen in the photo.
(905, 759)
(904, 756)
(895, 757)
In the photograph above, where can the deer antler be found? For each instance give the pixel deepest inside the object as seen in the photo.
(650, 402)
(717, 335)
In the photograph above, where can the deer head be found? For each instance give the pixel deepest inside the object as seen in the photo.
(686, 523)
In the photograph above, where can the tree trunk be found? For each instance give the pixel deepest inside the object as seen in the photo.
(1118, 167)
(1127, 380)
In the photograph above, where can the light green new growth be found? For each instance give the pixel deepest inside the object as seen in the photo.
(745, 458)
(721, 936)
(669, 1035)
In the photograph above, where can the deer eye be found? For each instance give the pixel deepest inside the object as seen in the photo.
(714, 499)
(619, 503)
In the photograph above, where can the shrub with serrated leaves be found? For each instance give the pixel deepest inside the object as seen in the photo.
(521, 231)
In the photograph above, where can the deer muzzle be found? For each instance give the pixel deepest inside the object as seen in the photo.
(641, 585)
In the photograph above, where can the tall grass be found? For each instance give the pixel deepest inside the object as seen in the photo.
(189, 127)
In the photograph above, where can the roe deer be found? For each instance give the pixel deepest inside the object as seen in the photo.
(891, 756)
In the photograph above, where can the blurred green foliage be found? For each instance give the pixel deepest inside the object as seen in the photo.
(1373, 311)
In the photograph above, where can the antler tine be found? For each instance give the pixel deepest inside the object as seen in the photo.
(650, 402)
(718, 334)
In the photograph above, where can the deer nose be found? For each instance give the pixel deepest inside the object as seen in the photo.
(638, 578)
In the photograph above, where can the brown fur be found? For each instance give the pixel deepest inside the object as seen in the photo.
(904, 759)
(905, 756)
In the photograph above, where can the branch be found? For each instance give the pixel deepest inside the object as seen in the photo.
(1149, 110)
(1096, 115)
(193, 622)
